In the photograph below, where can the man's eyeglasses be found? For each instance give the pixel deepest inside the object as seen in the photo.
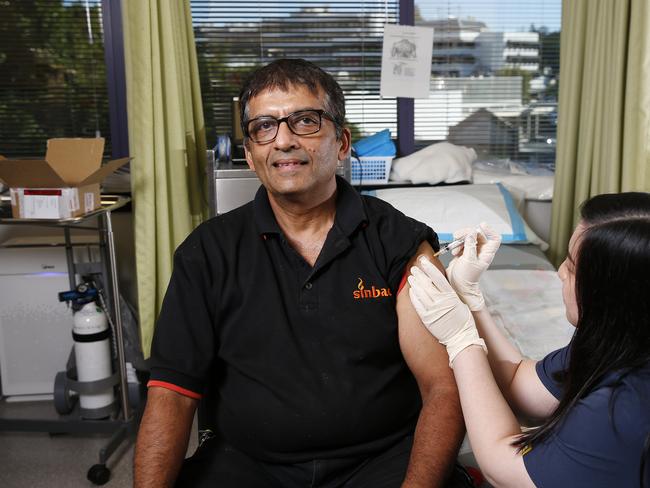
(302, 123)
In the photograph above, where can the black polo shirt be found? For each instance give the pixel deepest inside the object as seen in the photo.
(306, 361)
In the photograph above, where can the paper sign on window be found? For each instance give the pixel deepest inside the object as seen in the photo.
(406, 61)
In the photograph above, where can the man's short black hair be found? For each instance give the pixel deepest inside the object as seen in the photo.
(285, 73)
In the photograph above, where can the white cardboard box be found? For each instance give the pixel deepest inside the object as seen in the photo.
(64, 184)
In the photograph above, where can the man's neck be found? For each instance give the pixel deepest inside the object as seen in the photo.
(305, 225)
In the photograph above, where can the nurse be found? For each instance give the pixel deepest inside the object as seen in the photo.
(591, 399)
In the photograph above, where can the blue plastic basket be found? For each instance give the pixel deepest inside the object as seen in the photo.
(370, 170)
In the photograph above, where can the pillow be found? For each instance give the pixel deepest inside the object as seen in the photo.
(449, 208)
(438, 163)
(533, 187)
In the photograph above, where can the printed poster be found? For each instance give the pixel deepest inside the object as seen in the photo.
(406, 61)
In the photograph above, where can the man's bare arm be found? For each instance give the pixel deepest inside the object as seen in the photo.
(440, 427)
(162, 438)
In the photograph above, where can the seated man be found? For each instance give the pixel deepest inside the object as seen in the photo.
(290, 309)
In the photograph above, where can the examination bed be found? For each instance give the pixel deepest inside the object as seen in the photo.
(522, 289)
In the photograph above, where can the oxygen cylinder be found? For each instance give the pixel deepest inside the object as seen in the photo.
(92, 351)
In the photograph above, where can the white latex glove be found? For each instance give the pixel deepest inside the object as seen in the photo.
(469, 263)
(440, 309)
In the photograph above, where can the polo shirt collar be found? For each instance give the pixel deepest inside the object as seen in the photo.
(350, 212)
(264, 216)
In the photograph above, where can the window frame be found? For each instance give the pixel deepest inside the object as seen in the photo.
(116, 76)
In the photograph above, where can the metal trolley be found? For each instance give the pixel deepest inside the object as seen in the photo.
(121, 423)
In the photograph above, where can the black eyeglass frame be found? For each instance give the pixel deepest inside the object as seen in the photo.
(321, 113)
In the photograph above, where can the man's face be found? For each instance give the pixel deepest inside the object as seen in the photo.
(293, 165)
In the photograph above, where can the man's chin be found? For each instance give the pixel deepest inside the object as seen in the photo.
(295, 186)
(286, 187)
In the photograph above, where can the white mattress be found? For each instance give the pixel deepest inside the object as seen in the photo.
(524, 295)
(530, 187)
(515, 256)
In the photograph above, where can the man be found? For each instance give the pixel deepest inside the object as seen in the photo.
(290, 309)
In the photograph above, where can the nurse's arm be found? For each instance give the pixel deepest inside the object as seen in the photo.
(491, 425)
(515, 375)
(439, 430)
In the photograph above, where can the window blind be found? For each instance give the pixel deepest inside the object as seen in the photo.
(494, 77)
(342, 37)
(53, 81)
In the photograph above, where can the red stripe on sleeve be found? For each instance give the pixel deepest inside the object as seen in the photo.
(177, 389)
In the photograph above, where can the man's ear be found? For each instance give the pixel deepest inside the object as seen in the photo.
(344, 150)
(249, 156)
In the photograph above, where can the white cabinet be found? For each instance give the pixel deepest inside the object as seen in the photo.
(35, 328)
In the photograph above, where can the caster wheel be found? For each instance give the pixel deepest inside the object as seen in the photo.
(63, 400)
(99, 474)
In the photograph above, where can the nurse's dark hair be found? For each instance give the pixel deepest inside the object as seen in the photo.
(285, 74)
(645, 464)
(612, 280)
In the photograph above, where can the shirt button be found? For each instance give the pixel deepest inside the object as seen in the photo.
(308, 286)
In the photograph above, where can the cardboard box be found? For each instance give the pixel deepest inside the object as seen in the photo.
(65, 184)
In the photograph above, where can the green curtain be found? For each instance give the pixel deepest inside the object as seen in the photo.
(166, 141)
(604, 108)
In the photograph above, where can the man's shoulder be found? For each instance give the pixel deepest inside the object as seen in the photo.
(383, 215)
(396, 234)
(377, 208)
(220, 231)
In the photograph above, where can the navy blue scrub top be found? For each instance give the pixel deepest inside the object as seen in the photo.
(600, 442)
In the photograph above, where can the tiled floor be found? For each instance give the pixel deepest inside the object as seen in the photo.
(41, 460)
(36, 459)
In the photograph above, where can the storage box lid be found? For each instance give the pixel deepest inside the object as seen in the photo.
(75, 159)
(68, 162)
(29, 173)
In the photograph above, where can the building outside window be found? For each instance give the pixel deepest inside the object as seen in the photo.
(494, 77)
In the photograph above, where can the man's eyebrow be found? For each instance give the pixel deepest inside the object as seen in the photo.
(292, 112)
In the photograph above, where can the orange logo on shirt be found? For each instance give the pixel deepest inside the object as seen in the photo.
(373, 292)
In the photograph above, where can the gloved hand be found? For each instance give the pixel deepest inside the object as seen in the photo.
(440, 309)
(469, 263)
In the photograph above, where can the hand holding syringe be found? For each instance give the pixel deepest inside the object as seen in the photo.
(465, 269)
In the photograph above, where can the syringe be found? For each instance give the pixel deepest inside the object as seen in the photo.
(453, 244)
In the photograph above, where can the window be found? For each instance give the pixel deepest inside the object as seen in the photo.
(495, 73)
(343, 37)
(53, 81)
(494, 70)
